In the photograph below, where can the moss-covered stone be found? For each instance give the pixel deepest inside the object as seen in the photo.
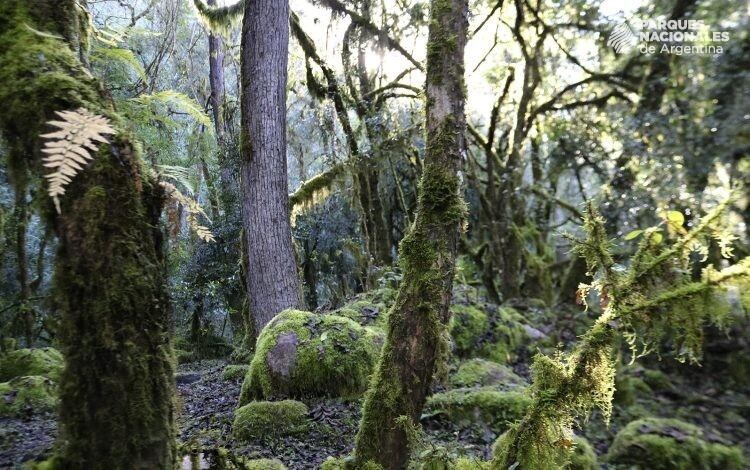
(667, 444)
(261, 419)
(465, 463)
(481, 372)
(656, 380)
(234, 372)
(302, 354)
(468, 327)
(46, 362)
(27, 394)
(467, 406)
(264, 464)
(628, 388)
(583, 457)
(495, 334)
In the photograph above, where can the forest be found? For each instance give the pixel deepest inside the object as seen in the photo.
(375, 234)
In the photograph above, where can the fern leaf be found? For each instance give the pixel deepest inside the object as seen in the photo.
(193, 211)
(171, 98)
(69, 148)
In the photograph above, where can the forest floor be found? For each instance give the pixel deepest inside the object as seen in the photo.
(206, 402)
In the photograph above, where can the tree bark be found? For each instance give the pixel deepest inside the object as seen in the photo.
(116, 391)
(272, 281)
(417, 322)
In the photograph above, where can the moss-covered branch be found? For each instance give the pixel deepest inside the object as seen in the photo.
(220, 19)
(641, 310)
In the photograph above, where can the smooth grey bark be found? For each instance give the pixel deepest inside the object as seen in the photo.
(272, 281)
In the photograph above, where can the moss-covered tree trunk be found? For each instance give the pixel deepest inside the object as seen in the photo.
(417, 322)
(116, 391)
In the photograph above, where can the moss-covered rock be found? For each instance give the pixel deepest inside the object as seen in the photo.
(260, 419)
(583, 457)
(46, 362)
(264, 464)
(347, 463)
(465, 463)
(302, 354)
(492, 407)
(495, 333)
(481, 372)
(235, 372)
(27, 394)
(667, 444)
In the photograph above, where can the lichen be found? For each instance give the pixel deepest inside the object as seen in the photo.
(481, 372)
(47, 362)
(28, 394)
(465, 407)
(235, 372)
(260, 419)
(301, 354)
(666, 444)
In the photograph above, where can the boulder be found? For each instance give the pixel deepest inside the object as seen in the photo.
(496, 333)
(481, 372)
(27, 394)
(260, 419)
(45, 362)
(301, 354)
(467, 406)
(665, 444)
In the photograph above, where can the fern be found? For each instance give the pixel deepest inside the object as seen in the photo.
(171, 98)
(70, 148)
(193, 211)
(124, 56)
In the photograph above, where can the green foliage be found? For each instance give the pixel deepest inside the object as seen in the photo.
(260, 419)
(46, 362)
(26, 394)
(668, 444)
(163, 102)
(108, 56)
(492, 407)
(480, 372)
(302, 354)
(583, 457)
(234, 372)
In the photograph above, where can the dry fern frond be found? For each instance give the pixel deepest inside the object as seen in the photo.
(71, 147)
(193, 211)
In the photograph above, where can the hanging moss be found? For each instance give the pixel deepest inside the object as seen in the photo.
(47, 362)
(301, 354)
(480, 372)
(667, 444)
(25, 395)
(492, 407)
(260, 419)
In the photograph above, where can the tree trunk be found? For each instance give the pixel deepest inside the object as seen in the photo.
(417, 322)
(272, 282)
(116, 409)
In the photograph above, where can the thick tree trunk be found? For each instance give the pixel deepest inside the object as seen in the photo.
(417, 322)
(272, 281)
(116, 409)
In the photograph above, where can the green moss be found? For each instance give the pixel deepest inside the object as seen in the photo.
(27, 394)
(480, 372)
(260, 419)
(667, 444)
(365, 312)
(628, 388)
(264, 464)
(468, 327)
(303, 354)
(465, 463)
(583, 456)
(465, 406)
(234, 372)
(496, 336)
(47, 362)
(656, 380)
